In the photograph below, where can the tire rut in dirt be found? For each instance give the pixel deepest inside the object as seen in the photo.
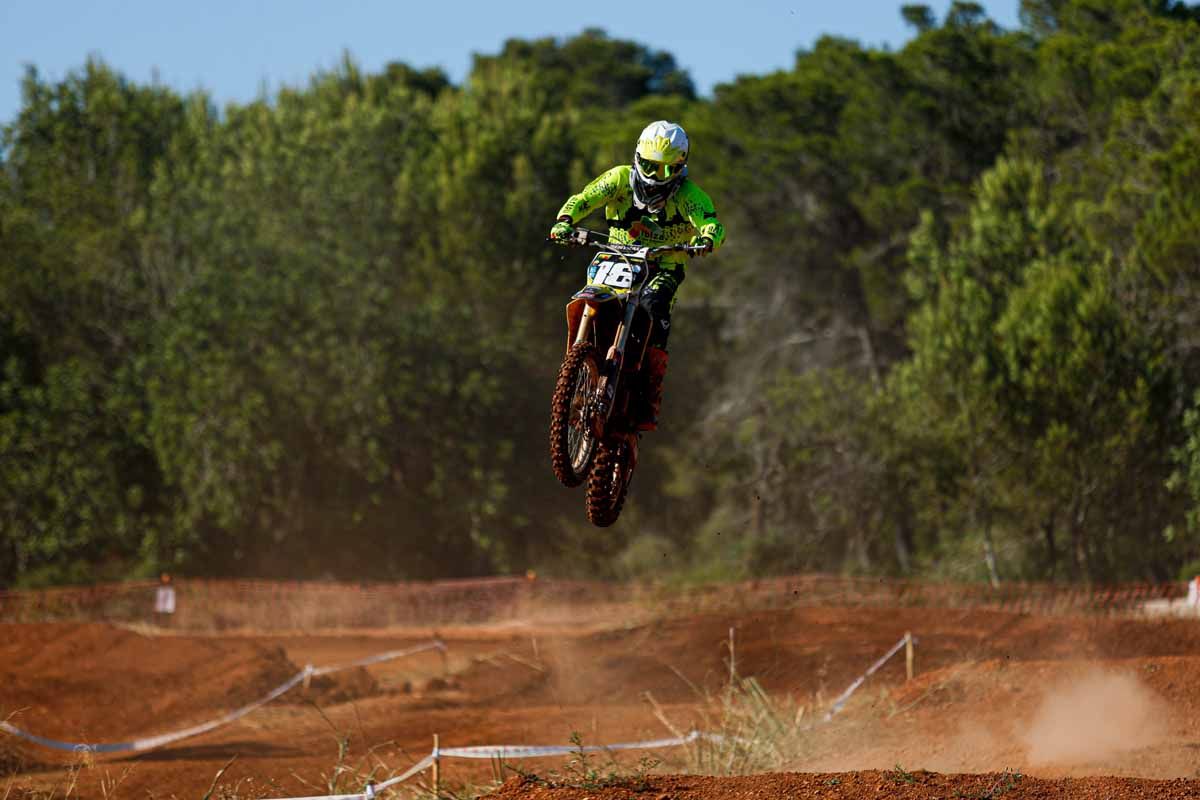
(569, 470)
(609, 483)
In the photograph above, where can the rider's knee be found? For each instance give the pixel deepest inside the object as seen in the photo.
(657, 303)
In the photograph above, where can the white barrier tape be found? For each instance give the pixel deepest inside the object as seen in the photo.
(152, 742)
(378, 659)
(511, 751)
(535, 751)
(422, 765)
(840, 702)
(373, 789)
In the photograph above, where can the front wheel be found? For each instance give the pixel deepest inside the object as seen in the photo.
(609, 482)
(572, 438)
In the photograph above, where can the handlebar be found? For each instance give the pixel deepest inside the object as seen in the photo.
(582, 237)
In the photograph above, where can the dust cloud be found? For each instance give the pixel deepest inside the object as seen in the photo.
(1093, 717)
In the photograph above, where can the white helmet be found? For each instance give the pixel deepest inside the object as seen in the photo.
(659, 164)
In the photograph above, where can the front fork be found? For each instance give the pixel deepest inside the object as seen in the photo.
(614, 361)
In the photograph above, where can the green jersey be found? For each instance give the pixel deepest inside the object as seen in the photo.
(689, 212)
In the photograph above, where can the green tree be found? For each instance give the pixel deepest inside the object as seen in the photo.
(1057, 394)
(590, 71)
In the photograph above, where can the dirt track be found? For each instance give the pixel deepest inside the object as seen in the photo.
(872, 783)
(1056, 699)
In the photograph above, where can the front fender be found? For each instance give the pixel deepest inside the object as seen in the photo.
(596, 294)
(574, 317)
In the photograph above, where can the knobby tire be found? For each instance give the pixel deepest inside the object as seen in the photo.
(582, 355)
(609, 482)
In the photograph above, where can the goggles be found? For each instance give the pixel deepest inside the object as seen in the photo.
(657, 170)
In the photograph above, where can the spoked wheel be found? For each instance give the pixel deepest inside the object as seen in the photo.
(609, 482)
(572, 440)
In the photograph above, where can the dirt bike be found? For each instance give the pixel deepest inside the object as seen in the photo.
(598, 397)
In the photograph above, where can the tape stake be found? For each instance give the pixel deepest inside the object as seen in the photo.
(437, 767)
(840, 702)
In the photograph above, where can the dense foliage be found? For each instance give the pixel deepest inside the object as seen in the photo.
(954, 332)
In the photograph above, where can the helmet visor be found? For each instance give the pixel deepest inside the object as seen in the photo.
(657, 170)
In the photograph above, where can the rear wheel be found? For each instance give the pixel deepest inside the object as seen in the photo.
(609, 482)
(572, 440)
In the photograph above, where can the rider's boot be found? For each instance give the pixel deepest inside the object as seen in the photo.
(656, 370)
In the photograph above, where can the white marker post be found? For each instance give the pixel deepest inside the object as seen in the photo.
(164, 600)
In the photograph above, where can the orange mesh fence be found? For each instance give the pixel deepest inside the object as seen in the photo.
(229, 604)
(128, 600)
(832, 590)
(262, 604)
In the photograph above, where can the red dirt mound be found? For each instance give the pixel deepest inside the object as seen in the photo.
(338, 687)
(815, 652)
(95, 682)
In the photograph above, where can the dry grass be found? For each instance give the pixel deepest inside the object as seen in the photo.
(743, 731)
(68, 786)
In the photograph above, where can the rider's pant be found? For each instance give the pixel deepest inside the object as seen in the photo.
(658, 298)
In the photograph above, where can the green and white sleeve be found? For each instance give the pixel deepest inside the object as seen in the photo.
(596, 194)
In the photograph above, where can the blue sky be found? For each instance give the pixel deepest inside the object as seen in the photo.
(237, 50)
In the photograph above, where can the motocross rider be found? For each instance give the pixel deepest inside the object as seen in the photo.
(649, 203)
